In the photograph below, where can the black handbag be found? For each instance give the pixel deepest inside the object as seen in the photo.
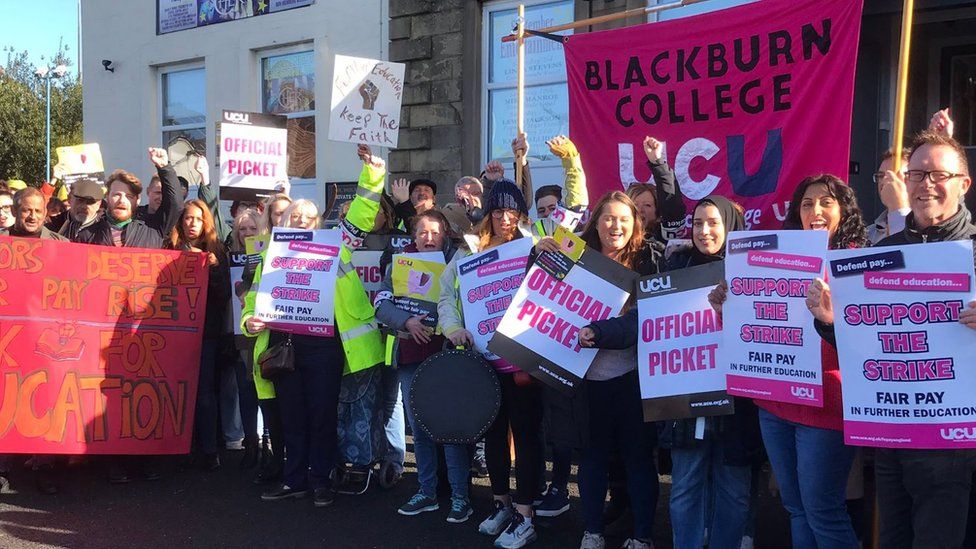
(277, 360)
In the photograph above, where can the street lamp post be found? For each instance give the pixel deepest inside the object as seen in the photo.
(46, 74)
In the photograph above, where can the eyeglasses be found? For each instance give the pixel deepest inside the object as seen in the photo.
(878, 176)
(936, 176)
(7, 208)
(498, 214)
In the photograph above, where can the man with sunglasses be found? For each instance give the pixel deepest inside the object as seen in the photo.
(84, 207)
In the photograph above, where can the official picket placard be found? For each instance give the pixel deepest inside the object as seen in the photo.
(562, 293)
(736, 94)
(253, 155)
(678, 363)
(99, 347)
(79, 162)
(417, 284)
(296, 293)
(366, 99)
(366, 259)
(905, 359)
(769, 344)
(488, 281)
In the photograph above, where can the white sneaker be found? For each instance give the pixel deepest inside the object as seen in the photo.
(519, 533)
(634, 543)
(497, 521)
(592, 541)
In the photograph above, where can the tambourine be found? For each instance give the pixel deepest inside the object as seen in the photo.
(455, 396)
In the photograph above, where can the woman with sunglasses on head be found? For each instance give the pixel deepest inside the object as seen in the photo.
(805, 444)
(506, 218)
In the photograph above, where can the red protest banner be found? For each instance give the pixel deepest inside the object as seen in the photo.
(99, 348)
(749, 100)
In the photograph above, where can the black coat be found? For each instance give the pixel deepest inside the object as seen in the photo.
(567, 419)
(149, 233)
(218, 296)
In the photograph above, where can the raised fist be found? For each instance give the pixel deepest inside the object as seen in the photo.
(369, 92)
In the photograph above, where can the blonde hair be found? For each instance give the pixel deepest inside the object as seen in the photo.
(266, 216)
(248, 213)
(301, 205)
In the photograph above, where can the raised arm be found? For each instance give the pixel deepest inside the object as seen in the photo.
(172, 203)
(575, 195)
(671, 209)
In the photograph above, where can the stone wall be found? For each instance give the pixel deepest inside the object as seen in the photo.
(427, 36)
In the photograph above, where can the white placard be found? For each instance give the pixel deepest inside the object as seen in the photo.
(253, 155)
(366, 99)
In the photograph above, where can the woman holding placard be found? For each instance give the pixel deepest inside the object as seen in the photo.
(195, 232)
(416, 342)
(506, 216)
(805, 444)
(308, 396)
(613, 421)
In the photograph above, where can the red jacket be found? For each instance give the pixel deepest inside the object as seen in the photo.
(831, 416)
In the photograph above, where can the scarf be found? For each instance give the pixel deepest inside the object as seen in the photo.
(732, 220)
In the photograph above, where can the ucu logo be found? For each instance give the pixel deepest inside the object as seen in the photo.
(237, 117)
(317, 330)
(806, 393)
(655, 285)
(958, 433)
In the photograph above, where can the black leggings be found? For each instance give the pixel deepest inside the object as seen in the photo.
(272, 420)
(522, 410)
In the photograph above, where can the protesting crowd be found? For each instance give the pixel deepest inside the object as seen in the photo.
(334, 408)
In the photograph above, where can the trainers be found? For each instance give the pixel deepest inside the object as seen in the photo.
(592, 541)
(283, 492)
(519, 533)
(479, 467)
(460, 510)
(323, 497)
(419, 503)
(498, 520)
(634, 543)
(554, 503)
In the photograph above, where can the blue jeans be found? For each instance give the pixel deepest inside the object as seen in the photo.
(396, 427)
(308, 401)
(205, 416)
(811, 466)
(425, 450)
(616, 423)
(707, 493)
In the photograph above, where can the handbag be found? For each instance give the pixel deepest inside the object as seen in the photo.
(277, 360)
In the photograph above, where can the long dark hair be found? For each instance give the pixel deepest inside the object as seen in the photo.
(851, 232)
(207, 240)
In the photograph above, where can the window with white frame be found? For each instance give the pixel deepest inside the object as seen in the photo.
(546, 95)
(288, 88)
(184, 106)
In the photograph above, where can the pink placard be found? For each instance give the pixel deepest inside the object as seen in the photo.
(917, 282)
(790, 262)
(771, 389)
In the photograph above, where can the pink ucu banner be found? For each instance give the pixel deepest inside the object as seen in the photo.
(749, 100)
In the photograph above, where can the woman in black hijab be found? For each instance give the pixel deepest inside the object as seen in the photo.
(712, 457)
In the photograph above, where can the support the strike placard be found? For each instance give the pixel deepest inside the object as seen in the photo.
(417, 284)
(296, 293)
(253, 155)
(769, 344)
(677, 351)
(488, 280)
(562, 293)
(905, 360)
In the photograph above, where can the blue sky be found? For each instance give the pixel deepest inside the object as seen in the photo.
(37, 26)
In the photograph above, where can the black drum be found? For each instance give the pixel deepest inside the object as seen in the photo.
(455, 397)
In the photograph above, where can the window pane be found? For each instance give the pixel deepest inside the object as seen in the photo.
(184, 97)
(288, 83)
(546, 116)
(301, 147)
(197, 138)
(543, 58)
(962, 87)
(696, 9)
